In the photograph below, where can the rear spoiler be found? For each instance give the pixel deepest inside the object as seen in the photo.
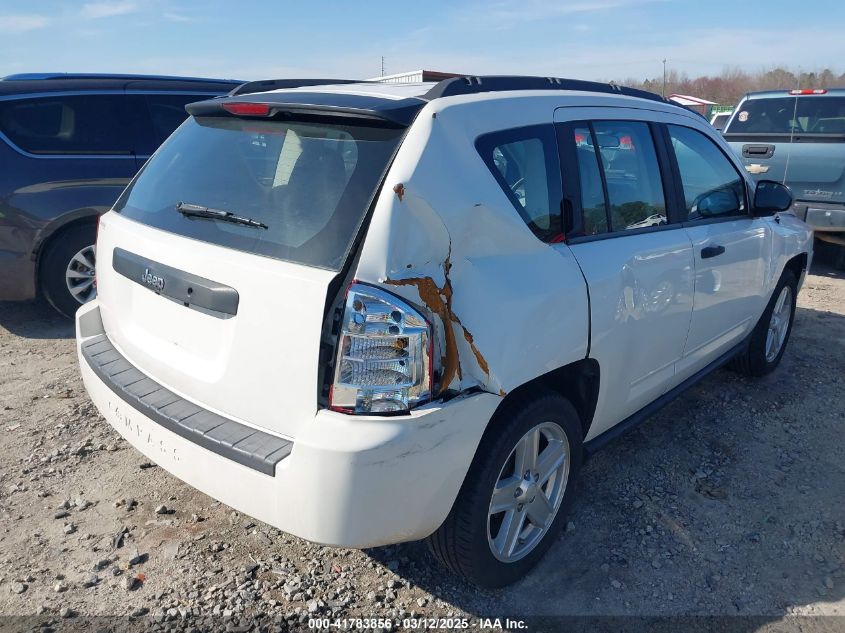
(344, 106)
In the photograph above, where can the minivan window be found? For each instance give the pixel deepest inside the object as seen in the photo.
(525, 164)
(309, 183)
(631, 173)
(167, 112)
(812, 114)
(712, 185)
(77, 124)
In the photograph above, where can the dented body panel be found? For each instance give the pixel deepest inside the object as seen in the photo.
(453, 245)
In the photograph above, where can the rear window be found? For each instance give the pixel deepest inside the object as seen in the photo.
(309, 183)
(80, 124)
(790, 115)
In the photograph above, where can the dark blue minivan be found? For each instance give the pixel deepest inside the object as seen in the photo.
(69, 145)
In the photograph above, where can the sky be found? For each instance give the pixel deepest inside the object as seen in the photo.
(255, 39)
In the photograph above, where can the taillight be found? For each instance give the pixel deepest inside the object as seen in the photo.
(383, 360)
(247, 109)
(807, 91)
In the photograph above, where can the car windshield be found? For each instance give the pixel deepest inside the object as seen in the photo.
(813, 114)
(309, 183)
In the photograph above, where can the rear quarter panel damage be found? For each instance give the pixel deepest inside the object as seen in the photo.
(506, 307)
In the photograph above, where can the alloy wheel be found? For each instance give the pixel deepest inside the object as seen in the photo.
(528, 492)
(79, 275)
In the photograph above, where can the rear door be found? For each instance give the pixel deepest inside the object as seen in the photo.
(635, 255)
(731, 249)
(229, 315)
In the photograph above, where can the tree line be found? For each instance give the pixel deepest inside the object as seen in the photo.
(728, 87)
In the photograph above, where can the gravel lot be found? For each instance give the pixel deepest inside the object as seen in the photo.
(729, 502)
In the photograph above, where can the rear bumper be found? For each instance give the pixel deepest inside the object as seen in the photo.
(820, 216)
(349, 481)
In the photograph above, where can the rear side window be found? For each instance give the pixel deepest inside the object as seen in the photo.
(619, 174)
(167, 112)
(525, 164)
(712, 185)
(81, 124)
(812, 114)
(310, 184)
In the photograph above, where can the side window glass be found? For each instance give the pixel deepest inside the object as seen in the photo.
(592, 194)
(712, 186)
(167, 112)
(632, 174)
(525, 164)
(81, 124)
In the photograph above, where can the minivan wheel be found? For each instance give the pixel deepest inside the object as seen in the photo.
(67, 269)
(514, 499)
(771, 334)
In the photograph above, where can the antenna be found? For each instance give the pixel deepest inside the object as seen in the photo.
(664, 78)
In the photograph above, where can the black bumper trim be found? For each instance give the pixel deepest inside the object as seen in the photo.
(242, 444)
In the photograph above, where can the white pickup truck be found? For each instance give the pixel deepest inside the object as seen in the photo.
(370, 313)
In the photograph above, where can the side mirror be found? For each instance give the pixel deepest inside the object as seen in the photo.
(771, 197)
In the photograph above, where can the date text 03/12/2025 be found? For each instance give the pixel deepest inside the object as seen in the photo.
(388, 624)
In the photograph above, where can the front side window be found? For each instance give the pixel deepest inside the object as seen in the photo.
(525, 164)
(712, 185)
(78, 124)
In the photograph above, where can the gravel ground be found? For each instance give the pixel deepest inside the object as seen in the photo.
(728, 502)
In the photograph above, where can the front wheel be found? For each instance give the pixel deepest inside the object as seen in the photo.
(513, 502)
(771, 334)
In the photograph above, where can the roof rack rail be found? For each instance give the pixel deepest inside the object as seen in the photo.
(263, 85)
(120, 76)
(497, 83)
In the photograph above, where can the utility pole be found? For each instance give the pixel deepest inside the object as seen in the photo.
(664, 77)
(382, 65)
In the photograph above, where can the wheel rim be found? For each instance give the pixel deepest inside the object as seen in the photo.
(528, 492)
(779, 324)
(79, 275)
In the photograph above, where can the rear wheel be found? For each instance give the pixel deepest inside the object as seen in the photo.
(67, 269)
(514, 500)
(771, 334)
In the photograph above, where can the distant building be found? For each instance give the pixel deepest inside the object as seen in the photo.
(702, 106)
(415, 77)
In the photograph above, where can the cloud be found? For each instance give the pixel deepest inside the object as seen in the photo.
(22, 22)
(172, 16)
(97, 10)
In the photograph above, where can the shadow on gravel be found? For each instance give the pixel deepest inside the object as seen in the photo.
(728, 502)
(34, 319)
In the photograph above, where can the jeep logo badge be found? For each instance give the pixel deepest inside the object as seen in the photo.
(152, 280)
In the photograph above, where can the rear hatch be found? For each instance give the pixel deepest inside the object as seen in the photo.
(215, 264)
(795, 139)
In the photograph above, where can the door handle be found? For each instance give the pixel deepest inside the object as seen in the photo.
(711, 251)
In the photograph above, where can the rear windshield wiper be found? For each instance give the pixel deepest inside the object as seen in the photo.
(198, 211)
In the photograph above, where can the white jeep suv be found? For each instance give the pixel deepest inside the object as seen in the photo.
(371, 313)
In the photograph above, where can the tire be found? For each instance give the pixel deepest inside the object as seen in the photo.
(463, 543)
(759, 359)
(58, 269)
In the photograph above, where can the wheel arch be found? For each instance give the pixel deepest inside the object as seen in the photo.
(55, 229)
(578, 382)
(798, 265)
